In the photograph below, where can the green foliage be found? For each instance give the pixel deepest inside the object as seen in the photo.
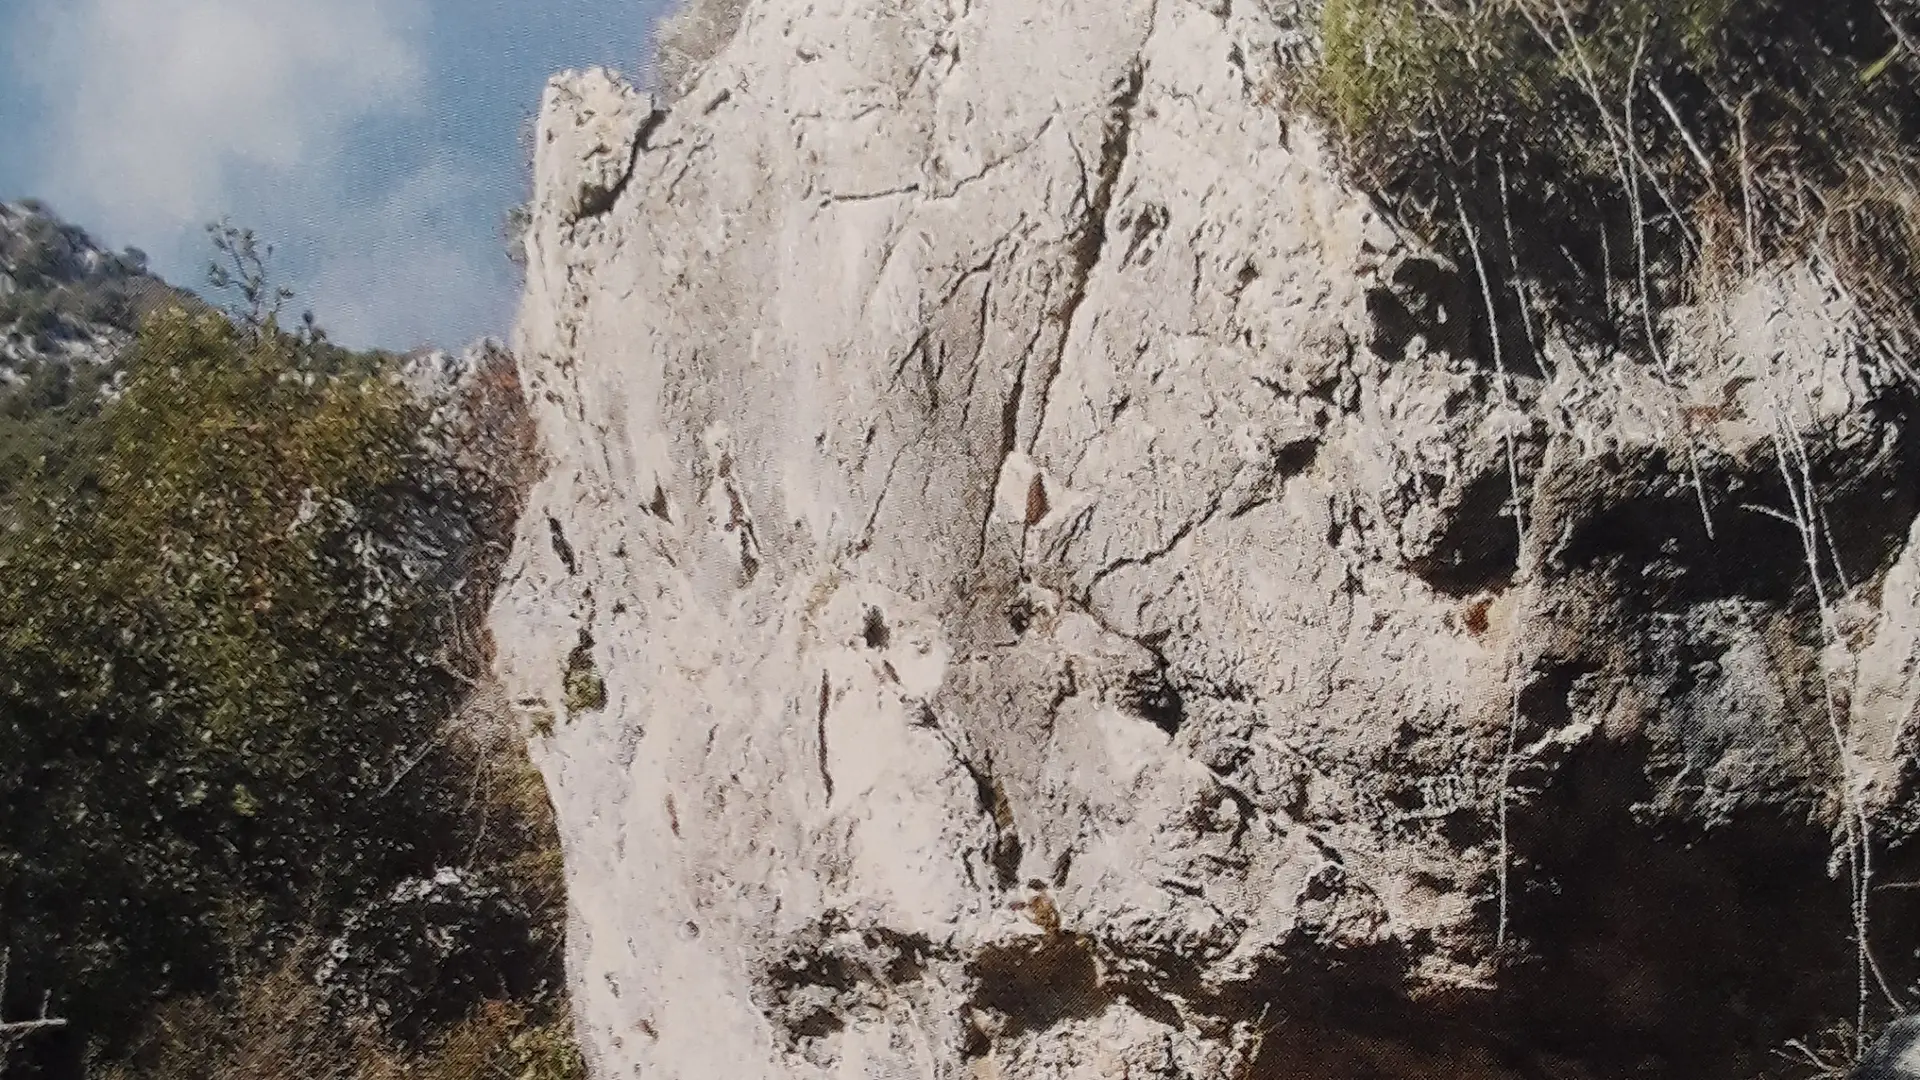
(39, 414)
(1382, 55)
(585, 690)
(223, 681)
(208, 670)
(1581, 147)
(230, 648)
(547, 1052)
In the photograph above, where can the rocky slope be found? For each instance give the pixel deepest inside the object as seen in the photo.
(65, 298)
(1026, 585)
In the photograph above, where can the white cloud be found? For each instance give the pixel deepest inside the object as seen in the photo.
(159, 116)
(398, 272)
(153, 106)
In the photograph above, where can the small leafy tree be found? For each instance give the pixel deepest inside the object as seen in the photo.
(216, 638)
(210, 665)
(229, 592)
(240, 269)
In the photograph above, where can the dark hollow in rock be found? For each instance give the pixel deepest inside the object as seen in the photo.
(1641, 516)
(1478, 546)
(1149, 695)
(561, 547)
(1040, 985)
(1422, 298)
(1654, 940)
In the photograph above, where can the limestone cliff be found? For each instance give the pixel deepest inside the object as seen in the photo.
(1027, 585)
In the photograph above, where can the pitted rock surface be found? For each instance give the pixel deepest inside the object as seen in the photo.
(1053, 561)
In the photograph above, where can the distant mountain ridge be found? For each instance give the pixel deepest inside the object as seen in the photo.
(63, 296)
(69, 310)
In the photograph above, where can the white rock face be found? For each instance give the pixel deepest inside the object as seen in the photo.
(1010, 602)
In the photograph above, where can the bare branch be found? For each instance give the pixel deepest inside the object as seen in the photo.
(260, 301)
(1679, 125)
(12, 1033)
(1899, 32)
(15, 1029)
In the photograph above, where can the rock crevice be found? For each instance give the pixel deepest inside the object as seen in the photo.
(1058, 605)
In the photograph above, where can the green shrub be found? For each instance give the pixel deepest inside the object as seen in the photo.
(38, 415)
(585, 690)
(1635, 142)
(548, 1052)
(202, 689)
(226, 678)
(215, 667)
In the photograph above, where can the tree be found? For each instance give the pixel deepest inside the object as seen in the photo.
(214, 655)
(240, 268)
(227, 595)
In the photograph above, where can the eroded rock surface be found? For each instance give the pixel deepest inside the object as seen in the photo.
(1027, 586)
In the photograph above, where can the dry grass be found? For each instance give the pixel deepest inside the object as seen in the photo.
(1826, 1055)
(276, 1027)
(1656, 149)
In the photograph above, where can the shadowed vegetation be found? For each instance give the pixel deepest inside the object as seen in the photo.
(245, 710)
(1647, 149)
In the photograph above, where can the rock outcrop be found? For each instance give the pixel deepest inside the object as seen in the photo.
(1895, 1055)
(1036, 578)
(63, 298)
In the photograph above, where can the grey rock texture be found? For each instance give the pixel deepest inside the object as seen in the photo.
(1895, 1055)
(1048, 550)
(64, 299)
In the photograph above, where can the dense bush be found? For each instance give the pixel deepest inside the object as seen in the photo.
(38, 414)
(1608, 159)
(227, 596)
(207, 671)
(278, 1030)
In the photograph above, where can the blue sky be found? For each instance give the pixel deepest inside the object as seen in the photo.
(375, 143)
